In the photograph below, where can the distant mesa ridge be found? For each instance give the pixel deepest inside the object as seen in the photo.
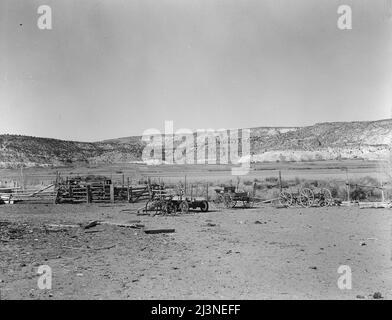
(370, 140)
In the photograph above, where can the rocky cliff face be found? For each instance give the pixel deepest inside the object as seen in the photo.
(326, 141)
(323, 141)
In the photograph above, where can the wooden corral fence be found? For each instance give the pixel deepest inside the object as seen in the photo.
(138, 193)
(14, 195)
(97, 191)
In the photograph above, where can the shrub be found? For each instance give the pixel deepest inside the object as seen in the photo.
(272, 179)
(248, 182)
(358, 194)
(297, 181)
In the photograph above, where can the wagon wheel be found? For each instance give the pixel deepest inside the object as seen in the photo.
(306, 197)
(168, 207)
(204, 206)
(285, 198)
(165, 208)
(228, 201)
(219, 201)
(183, 207)
(160, 207)
(153, 205)
(325, 198)
(150, 204)
(248, 203)
(175, 207)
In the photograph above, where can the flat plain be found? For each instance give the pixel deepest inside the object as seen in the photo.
(332, 170)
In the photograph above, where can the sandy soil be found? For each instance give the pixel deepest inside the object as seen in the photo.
(260, 253)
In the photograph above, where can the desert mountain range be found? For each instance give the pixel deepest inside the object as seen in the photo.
(369, 140)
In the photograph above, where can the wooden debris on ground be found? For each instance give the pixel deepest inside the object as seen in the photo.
(155, 231)
(104, 248)
(90, 224)
(93, 231)
(375, 205)
(367, 204)
(62, 225)
(112, 206)
(59, 227)
(90, 248)
(126, 225)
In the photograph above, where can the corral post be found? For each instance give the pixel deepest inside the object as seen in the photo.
(88, 194)
(56, 187)
(280, 181)
(123, 181)
(149, 188)
(207, 191)
(185, 185)
(347, 186)
(254, 189)
(382, 191)
(56, 192)
(112, 193)
(348, 192)
(23, 182)
(57, 179)
(128, 193)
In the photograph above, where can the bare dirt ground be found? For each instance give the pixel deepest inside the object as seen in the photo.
(260, 253)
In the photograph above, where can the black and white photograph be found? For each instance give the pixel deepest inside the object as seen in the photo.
(195, 150)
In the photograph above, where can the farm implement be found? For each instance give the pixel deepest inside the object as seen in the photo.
(306, 197)
(228, 197)
(164, 203)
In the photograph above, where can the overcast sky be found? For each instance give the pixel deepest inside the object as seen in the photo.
(112, 68)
